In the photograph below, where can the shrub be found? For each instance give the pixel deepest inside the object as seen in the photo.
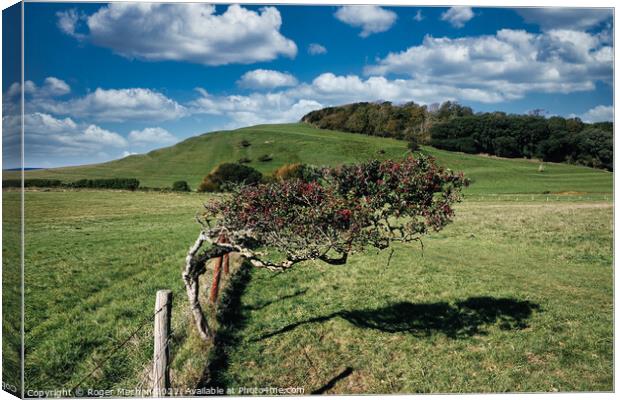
(303, 172)
(245, 143)
(112, 183)
(244, 160)
(42, 183)
(180, 186)
(413, 144)
(268, 179)
(288, 171)
(208, 184)
(350, 208)
(228, 174)
(12, 183)
(265, 158)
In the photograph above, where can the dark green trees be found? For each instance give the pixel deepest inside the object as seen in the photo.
(229, 173)
(555, 139)
(180, 186)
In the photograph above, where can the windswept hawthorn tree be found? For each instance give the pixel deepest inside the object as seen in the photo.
(280, 224)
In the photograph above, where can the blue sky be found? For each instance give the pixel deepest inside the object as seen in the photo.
(104, 81)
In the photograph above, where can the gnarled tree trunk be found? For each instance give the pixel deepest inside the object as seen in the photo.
(194, 267)
(190, 276)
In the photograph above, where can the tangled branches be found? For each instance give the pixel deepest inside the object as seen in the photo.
(347, 209)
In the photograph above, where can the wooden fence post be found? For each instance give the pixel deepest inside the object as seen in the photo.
(215, 285)
(161, 353)
(226, 267)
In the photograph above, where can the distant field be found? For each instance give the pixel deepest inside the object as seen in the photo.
(95, 259)
(193, 158)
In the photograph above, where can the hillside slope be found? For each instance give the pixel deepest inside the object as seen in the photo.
(193, 158)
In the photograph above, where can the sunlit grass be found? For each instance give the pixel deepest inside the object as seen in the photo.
(95, 259)
(544, 272)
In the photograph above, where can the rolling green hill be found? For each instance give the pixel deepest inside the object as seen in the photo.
(193, 158)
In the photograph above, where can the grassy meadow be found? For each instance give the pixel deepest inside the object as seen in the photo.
(510, 298)
(515, 295)
(541, 271)
(11, 292)
(94, 261)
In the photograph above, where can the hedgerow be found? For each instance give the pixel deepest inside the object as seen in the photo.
(111, 183)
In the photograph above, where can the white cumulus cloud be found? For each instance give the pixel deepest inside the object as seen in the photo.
(184, 32)
(52, 140)
(68, 22)
(507, 65)
(266, 79)
(334, 89)
(151, 136)
(458, 16)
(372, 19)
(255, 108)
(486, 69)
(115, 105)
(55, 87)
(566, 18)
(599, 113)
(52, 87)
(65, 135)
(316, 49)
(96, 134)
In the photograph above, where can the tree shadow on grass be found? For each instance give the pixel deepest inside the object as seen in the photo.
(461, 319)
(268, 303)
(456, 320)
(231, 320)
(332, 382)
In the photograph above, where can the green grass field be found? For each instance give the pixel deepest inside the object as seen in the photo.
(11, 292)
(95, 260)
(515, 295)
(510, 298)
(194, 158)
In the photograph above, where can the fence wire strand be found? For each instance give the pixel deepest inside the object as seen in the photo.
(119, 346)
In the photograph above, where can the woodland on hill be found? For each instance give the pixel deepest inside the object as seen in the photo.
(451, 126)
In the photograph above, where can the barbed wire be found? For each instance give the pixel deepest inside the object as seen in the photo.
(119, 346)
(147, 374)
